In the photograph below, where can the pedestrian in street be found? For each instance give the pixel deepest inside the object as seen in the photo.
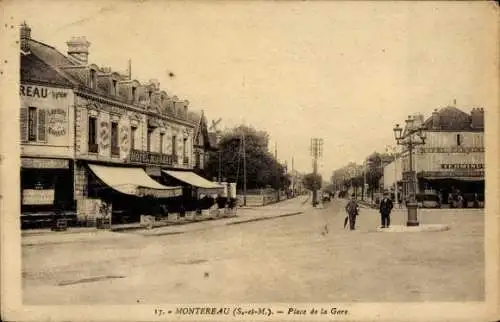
(385, 209)
(352, 209)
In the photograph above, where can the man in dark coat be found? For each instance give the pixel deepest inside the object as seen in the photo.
(386, 206)
(352, 210)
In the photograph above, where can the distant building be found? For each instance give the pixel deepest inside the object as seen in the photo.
(452, 159)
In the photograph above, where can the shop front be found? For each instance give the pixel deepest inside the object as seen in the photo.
(124, 193)
(198, 193)
(454, 182)
(46, 189)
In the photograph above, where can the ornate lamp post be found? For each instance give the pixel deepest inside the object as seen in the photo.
(410, 138)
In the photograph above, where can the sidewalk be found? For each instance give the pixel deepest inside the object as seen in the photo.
(284, 208)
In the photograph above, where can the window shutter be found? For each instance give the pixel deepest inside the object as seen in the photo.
(23, 118)
(42, 128)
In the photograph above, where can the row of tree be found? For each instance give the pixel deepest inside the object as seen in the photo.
(262, 168)
(354, 175)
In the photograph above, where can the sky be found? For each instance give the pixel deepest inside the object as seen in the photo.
(345, 72)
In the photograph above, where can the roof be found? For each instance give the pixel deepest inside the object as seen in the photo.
(51, 57)
(35, 69)
(451, 119)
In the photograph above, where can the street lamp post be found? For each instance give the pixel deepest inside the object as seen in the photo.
(410, 138)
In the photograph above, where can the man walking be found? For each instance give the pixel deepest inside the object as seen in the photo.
(352, 210)
(386, 206)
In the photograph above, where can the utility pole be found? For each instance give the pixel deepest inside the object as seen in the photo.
(244, 171)
(220, 165)
(316, 151)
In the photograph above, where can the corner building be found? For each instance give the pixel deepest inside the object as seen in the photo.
(90, 134)
(452, 159)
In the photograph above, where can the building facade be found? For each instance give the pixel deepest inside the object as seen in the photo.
(87, 130)
(452, 159)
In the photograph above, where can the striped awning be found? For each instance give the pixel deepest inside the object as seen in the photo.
(133, 181)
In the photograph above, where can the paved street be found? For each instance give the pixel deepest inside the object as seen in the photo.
(301, 258)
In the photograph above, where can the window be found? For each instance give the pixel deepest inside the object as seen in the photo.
(32, 123)
(115, 149)
(161, 142)
(459, 139)
(113, 89)
(174, 145)
(184, 152)
(150, 134)
(150, 93)
(134, 93)
(133, 130)
(184, 147)
(162, 99)
(92, 79)
(198, 160)
(93, 135)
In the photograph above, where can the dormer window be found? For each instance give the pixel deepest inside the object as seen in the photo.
(113, 87)
(134, 94)
(92, 79)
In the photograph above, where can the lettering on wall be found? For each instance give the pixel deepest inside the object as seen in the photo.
(451, 150)
(462, 166)
(104, 135)
(56, 122)
(41, 92)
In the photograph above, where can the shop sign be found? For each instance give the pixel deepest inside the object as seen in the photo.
(150, 157)
(462, 166)
(38, 197)
(41, 92)
(456, 149)
(57, 121)
(32, 163)
(452, 174)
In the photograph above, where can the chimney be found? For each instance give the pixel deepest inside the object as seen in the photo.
(78, 49)
(435, 120)
(477, 118)
(25, 37)
(186, 103)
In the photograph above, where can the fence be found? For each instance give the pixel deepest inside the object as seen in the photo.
(260, 197)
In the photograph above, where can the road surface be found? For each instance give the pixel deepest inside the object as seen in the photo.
(302, 258)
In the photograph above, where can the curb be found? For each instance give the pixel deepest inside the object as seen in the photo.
(171, 224)
(264, 218)
(415, 229)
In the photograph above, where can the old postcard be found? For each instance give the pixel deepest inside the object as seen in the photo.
(249, 160)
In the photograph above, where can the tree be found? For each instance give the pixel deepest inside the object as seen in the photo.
(261, 167)
(312, 181)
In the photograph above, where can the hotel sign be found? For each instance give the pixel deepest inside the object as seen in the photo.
(151, 158)
(462, 166)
